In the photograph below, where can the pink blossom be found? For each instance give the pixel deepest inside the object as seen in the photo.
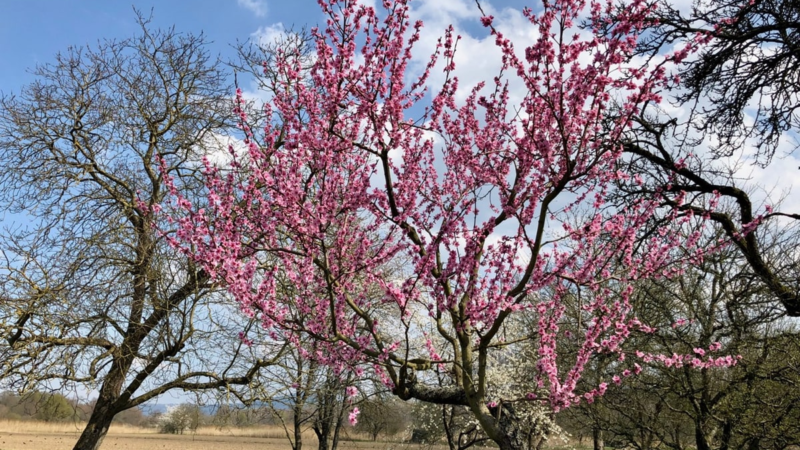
(348, 189)
(353, 416)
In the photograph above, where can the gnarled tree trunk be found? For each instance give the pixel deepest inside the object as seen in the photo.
(512, 435)
(104, 409)
(95, 431)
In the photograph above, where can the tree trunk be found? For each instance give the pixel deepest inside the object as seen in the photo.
(322, 423)
(725, 439)
(597, 438)
(512, 441)
(327, 412)
(298, 427)
(105, 408)
(511, 436)
(339, 419)
(96, 429)
(322, 437)
(700, 437)
(447, 422)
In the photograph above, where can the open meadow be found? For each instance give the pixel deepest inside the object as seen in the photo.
(16, 435)
(30, 435)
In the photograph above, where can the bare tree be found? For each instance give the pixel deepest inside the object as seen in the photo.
(381, 414)
(294, 380)
(659, 163)
(752, 63)
(331, 405)
(749, 69)
(307, 395)
(92, 293)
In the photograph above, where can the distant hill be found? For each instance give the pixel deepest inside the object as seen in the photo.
(157, 408)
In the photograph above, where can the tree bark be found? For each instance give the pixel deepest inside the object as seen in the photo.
(700, 438)
(339, 419)
(107, 405)
(512, 437)
(298, 427)
(322, 437)
(97, 427)
(597, 439)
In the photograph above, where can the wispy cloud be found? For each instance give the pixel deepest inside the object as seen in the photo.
(267, 35)
(258, 7)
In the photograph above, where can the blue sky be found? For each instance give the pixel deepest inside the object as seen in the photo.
(32, 31)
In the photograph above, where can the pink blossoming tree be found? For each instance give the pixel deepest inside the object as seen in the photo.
(413, 226)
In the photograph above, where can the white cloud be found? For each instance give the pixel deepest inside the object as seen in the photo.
(269, 34)
(777, 183)
(367, 3)
(265, 37)
(216, 148)
(257, 7)
(477, 57)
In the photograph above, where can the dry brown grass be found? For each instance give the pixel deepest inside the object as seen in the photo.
(29, 435)
(270, 432)
(33, 427)
(24, 435)
(24, 426)
(60, 436)
(265, 432)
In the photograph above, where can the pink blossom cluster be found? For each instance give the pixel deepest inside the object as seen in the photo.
(352, 391)
(245, 340)
(352, 417)
(326, 207)
(698, 359)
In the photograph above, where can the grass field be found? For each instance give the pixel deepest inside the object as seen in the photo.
(62, 436)
(16, 435)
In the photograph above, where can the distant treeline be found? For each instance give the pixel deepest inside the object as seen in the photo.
(54, 407)
(386, 417)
